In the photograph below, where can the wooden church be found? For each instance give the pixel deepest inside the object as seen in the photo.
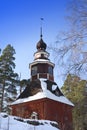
(42, 98)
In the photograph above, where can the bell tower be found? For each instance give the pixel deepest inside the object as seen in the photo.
(41, 67)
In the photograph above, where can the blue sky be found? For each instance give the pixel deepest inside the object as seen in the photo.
(20, 27)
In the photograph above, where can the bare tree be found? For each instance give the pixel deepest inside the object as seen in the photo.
(70, 48)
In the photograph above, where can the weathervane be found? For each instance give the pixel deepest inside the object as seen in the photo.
(41, 19)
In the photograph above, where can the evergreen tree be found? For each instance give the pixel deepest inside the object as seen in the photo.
(75, 89)
(8, 77)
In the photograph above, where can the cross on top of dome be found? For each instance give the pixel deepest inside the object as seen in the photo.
(41, 45)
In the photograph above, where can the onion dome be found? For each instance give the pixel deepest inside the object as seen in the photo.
(41, 45)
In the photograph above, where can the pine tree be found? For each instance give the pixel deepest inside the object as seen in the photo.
(8, 77)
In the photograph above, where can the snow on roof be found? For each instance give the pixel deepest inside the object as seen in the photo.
(44, 94)
(41, 61)
(54, 87)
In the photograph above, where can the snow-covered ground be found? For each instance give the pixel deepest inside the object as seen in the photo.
(16, 123)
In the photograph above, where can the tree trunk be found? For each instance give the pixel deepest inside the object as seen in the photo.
(2, 98)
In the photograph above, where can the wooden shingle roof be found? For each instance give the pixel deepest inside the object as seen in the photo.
(35, 86)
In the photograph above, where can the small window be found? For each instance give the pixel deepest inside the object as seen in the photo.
(50, 70)
(34, 70)
(34, 115)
